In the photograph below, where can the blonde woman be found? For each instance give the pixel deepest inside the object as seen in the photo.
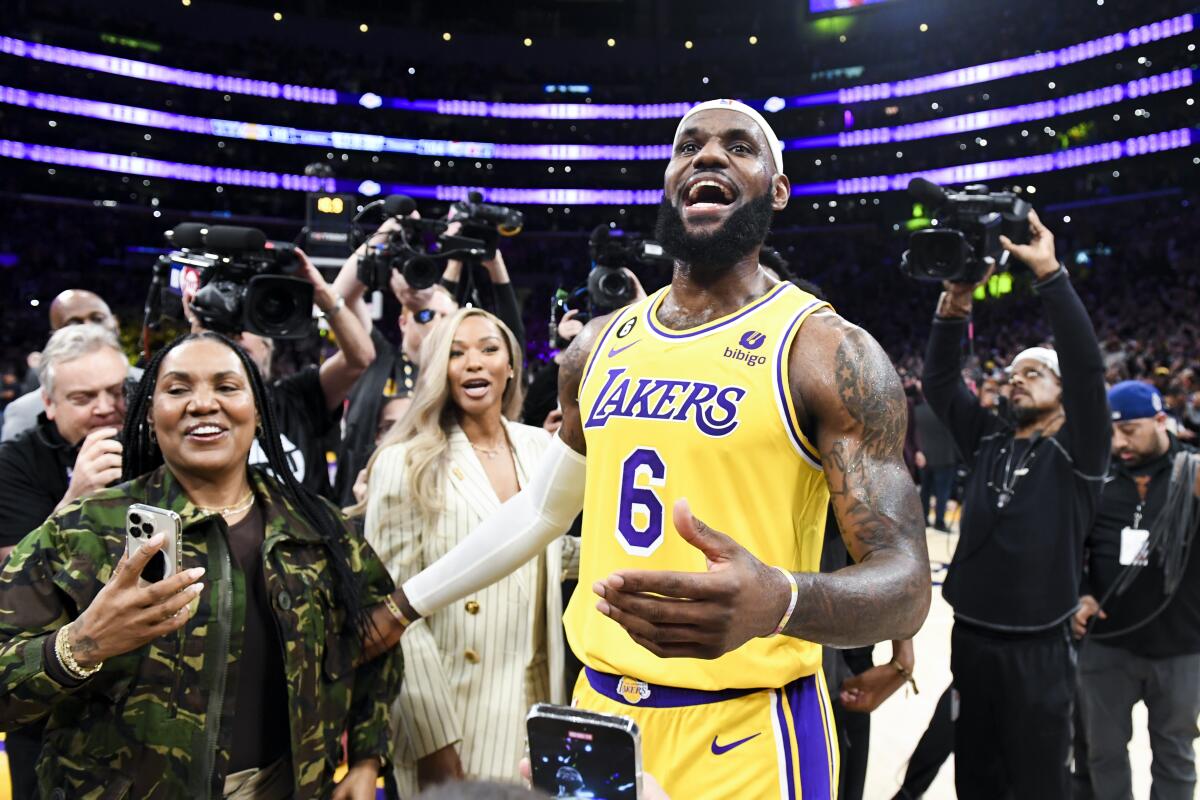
(471, 670)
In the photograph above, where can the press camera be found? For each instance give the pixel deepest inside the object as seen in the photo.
(965, 238)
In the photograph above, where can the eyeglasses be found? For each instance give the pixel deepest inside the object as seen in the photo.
(1029, 373)
(425, 315)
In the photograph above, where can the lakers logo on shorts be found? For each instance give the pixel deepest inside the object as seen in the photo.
(633, 690)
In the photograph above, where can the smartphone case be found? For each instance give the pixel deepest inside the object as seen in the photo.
(141, 523)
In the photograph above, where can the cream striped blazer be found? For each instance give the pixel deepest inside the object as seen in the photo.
(471, 670)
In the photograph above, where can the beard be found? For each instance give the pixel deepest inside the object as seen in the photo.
(708, 255)
(1026, 414)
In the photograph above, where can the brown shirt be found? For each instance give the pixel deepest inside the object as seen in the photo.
(261, 735)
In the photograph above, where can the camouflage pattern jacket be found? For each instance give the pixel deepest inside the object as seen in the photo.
(158, 722)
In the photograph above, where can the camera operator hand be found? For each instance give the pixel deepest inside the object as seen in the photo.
(323, 294)
(569, 327)
(639, 292)
(454, 267)
(497, 270)
(124, 616)
(957, 298)
(186, 298)
(347, 284)
(1039, 254)
(97, 465)
(355, 349)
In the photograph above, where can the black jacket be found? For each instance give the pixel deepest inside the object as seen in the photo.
(1176, 630)
(35, 471)
(1017, 567)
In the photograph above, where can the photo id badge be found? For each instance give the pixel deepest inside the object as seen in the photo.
(1133, 540)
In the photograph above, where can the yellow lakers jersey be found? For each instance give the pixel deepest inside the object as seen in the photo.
(703, 414)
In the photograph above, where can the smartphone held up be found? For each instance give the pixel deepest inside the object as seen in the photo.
(142, 523)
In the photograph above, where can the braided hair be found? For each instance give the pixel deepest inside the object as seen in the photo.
(142, 454)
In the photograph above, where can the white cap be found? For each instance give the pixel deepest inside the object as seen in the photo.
(741, 108)
(1043, 355)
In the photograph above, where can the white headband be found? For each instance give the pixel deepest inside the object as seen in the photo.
(1043, 355)
(741, 108)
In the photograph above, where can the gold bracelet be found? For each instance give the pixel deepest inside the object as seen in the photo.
(396, 612)
(66, 658)
(908, 676)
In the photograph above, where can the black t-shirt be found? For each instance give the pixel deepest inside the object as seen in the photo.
(1019, 560)
(1175, 631)
(261, 735)
(35, 471)
(304, 422)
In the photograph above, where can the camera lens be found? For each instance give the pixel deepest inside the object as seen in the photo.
(147, 528)
(136, 519)
(422, 272)
(279, 307)
(133, 531)
(275, 307)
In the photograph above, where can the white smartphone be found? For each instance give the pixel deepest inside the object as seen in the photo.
(577, 753)
(143, 522)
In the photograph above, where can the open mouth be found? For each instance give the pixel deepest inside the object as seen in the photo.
(708, 193)
(476, 388)
(206, 432)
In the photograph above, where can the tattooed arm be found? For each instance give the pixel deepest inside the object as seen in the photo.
(850, 395)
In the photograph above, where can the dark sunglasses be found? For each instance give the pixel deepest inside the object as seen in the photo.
(425, 315)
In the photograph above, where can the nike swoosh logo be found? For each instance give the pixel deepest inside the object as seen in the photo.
(618, 350)
(719, 749)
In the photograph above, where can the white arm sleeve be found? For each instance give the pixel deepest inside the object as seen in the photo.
(521, 529)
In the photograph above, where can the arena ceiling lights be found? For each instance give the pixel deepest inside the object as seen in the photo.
(965, 173)
(372, 143)
(967, 76)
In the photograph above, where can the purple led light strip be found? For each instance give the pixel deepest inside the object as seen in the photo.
(1023, 65)
(279, 134)
(967, 76)
(998, 117)
(966, 173)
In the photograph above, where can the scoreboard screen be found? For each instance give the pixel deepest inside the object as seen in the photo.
(827, 6)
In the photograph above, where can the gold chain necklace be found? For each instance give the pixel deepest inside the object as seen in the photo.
(233, 510)
(491, 453)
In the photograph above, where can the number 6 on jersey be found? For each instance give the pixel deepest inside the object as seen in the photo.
(640, 511)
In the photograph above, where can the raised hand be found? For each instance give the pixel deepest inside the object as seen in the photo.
(1039, 254)
(697, 614)
(124, 616)
(97, 465)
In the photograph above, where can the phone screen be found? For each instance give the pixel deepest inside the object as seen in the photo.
(570, 758)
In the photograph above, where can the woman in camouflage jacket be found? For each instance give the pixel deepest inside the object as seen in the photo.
(144, 701)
